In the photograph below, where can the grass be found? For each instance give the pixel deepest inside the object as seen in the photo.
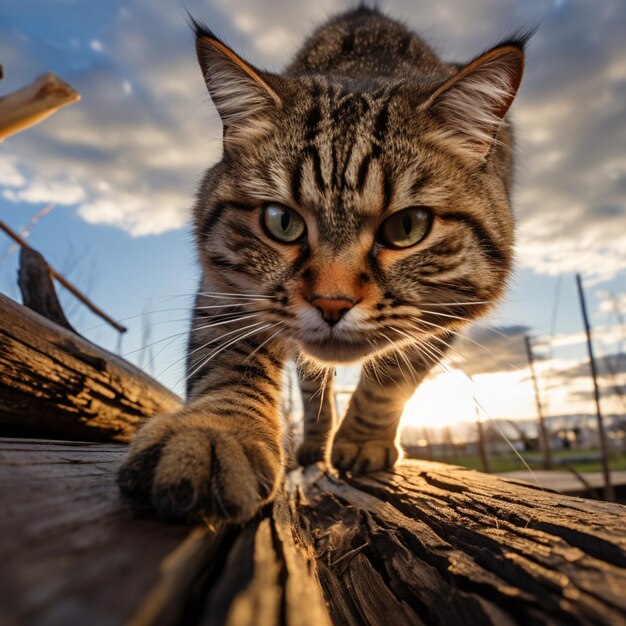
(510, 463)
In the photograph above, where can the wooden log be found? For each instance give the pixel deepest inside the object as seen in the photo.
(34, 103)
(437, 544)
(71, 553)
(55, 384)
(430, 544)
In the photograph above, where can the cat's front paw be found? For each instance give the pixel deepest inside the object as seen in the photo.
(365, 457)
(195, 472)
(311, 452)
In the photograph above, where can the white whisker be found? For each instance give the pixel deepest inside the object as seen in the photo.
(220, 349)
(227, 296)
(280, 330)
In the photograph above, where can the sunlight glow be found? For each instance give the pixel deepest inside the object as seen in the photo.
(440, 401)
(450, 398)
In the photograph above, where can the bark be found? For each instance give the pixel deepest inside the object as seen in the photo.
(38, 293)
(429, 544)
(55, 384)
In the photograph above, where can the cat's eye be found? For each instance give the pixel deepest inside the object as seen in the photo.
(405, 228)
(282, 223)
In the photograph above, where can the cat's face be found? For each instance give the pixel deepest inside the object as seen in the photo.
(356, 214)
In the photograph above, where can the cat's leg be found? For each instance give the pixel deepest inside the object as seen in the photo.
(366, 438)
(318, 405)
(220, 456)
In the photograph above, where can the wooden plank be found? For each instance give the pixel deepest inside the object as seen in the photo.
(269, 577)
(567, 482)
(38, 293)
(55, 384)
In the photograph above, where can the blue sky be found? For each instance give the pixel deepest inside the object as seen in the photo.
(121, 166)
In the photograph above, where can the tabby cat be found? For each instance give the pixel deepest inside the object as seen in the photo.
(360, 213)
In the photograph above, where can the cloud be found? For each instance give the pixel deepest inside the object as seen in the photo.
(138, 142)
(128, 211)
(572, 185)
(611, 364)
(490, 349)
(131, 153)
(612, 303)
(10, 174)
(605, 335)
(43, 191)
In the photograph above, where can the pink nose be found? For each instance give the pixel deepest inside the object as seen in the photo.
(332, 309)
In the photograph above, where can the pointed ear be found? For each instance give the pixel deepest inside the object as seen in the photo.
(239, 91)
(473, 102)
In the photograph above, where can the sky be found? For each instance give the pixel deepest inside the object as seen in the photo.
(117, 174)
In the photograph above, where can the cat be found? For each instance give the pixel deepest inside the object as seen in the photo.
(360, 213)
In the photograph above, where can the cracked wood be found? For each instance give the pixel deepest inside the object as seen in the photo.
(56, 384)
(429, 544)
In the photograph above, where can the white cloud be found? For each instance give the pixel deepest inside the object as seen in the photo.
(43, 191)
(128, 211)
(10, 175)
(148, 139)
(612, 303)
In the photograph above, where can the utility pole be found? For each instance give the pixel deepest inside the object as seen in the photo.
(482, 447)
(543, 432)
(609, 493)
(429, 448)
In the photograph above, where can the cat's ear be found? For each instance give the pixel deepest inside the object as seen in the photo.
(472, 104)
(240, 91)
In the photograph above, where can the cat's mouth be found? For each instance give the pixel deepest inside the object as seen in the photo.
(336, 350)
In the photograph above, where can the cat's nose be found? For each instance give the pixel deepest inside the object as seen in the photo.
(332, 308)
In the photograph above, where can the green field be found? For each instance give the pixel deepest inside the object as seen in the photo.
(563, 459)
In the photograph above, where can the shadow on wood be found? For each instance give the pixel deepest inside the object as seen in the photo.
(429, 544)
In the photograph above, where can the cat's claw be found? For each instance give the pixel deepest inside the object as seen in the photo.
(195, 473)
(363, 458)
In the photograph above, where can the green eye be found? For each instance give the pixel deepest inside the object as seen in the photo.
(405, 228)
(282, 223)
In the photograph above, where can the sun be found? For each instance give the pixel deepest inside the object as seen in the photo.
(440, 401)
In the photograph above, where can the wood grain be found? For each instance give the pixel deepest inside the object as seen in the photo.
(429, 544)
(55, 384)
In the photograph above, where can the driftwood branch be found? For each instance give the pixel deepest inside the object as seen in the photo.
(55, 384)
(34, 103)
(66, 283)
(429, 544)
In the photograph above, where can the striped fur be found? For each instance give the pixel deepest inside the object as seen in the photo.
(364, 123)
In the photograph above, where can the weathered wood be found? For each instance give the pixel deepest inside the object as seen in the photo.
(38, 293)
(34, 103)
(66, 283)
(55, 384)
(454, 546)
(71, 553)
(430, 544)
